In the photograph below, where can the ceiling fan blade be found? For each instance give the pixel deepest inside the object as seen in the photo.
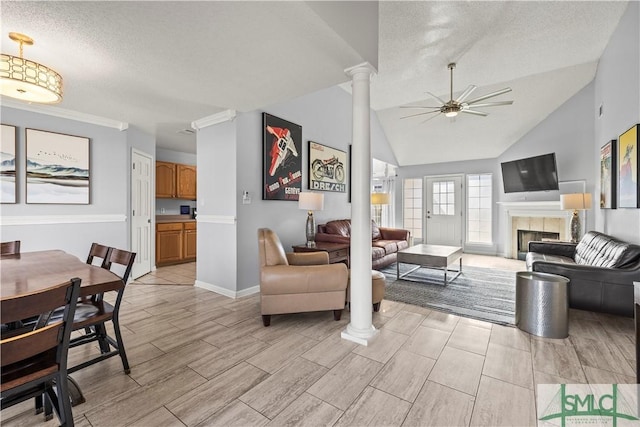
(420, 114)
(418, 106)
(490, 95)
(464, 95)
(437, 97)
(430, 118)
(489, 104)
(477, 113)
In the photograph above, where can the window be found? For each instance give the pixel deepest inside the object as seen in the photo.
(444, 194)
(479, 188)
(412, 207)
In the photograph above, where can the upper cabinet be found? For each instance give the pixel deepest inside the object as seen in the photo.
(175, 181)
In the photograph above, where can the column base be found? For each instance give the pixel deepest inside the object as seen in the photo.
(359, 336)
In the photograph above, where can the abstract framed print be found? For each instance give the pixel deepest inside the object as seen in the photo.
(628, 193)
(608, 169)
(281, 159)
(57, 168)
(8, 165)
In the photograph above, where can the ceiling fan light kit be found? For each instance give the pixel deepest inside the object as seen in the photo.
(452, 107)
(28, 80)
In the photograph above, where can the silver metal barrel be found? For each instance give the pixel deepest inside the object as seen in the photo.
(542, 304)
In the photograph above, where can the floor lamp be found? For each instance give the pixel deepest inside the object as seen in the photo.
(575, 202)
(311, 202)
(378, 200)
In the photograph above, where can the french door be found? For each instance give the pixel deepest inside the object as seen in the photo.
(443, 210)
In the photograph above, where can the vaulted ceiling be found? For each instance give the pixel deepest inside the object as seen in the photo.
(161, 65)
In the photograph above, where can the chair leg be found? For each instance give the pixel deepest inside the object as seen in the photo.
(337, 314)
(266, 319)
(123, 354)
(376, 307)
(64, 402)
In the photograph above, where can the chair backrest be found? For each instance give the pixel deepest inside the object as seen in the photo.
(122, 258)
(99, 251)
(48, 344)
(270, 248)
(10, 248)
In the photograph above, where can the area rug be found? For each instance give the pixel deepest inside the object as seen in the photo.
(479, 293)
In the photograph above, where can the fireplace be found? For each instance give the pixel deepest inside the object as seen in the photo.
(526, 236)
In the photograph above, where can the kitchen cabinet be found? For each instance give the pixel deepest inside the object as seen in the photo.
(176, 242)
(176, 181)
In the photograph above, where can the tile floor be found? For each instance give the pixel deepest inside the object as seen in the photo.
(199, 358)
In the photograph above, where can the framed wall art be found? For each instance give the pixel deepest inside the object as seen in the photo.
(327, 168)
(628, 193)
(57, 168)
(608, 169)
(281, 159)
(8, 165)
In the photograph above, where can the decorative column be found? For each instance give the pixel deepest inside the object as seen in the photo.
(361, 329)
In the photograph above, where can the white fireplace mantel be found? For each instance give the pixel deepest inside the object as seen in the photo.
(545, 209)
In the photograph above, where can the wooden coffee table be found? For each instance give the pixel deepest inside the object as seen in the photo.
(338, 252)
(430, 256)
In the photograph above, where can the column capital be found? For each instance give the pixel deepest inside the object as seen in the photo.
(364, 68)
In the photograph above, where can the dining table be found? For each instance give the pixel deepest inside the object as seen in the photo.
(29, 272)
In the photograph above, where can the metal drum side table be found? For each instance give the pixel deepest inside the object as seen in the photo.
(542, 304)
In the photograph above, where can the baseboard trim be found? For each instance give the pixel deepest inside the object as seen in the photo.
(60, 219)
(226, 292)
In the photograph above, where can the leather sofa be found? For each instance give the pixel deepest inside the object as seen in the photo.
(602, 270)
(298, 282)
(385, 242)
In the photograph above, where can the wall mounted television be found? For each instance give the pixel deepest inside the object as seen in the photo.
(537, 173)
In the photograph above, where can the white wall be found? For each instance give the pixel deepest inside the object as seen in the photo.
(109, 192)
(617, 89)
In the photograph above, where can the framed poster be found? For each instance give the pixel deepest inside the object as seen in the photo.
(327, 168)
(8, 164)
(608, 168)
(281, 159)
(57, 168)
(628, 194)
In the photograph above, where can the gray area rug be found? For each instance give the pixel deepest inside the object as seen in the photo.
(479, 293)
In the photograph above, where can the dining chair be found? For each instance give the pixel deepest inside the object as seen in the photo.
(93, 315)
(33, 360)
(10, 248)
(99, 251)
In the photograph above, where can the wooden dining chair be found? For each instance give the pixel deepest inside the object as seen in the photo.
(33, 360)
(99, 251)
(10, 248)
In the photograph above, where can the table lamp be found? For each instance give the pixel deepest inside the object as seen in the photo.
(311, 202)
(575, 202)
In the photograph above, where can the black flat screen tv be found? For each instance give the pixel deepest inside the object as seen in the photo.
(537, 173)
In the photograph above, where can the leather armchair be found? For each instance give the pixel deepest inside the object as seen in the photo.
(298, 282)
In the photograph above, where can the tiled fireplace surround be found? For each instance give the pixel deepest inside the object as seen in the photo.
(535, 216)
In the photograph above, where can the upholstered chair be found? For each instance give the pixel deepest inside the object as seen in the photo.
(298, 282)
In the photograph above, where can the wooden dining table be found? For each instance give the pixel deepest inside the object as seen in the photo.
(28, 272)
(32, 271)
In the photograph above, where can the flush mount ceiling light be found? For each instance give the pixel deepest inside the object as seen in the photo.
(27, 80)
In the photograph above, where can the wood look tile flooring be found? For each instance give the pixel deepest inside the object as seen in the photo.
(201, 359)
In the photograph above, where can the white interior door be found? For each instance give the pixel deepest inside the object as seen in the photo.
(443, 210)
(141, 178)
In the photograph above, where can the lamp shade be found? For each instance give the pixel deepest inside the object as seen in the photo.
(575, 201)
(311, 201)
(380, 198)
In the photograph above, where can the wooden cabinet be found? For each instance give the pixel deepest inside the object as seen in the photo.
(186, 182)
(190, 241)
(176, 242)
(175, 181)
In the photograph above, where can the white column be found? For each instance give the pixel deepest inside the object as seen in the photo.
(361, 329)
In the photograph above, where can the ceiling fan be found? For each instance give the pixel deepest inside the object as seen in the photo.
(452, 107)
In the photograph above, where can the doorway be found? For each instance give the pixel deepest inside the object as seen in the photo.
(141, 211)
(443, 210)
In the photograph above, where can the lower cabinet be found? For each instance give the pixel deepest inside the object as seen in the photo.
(175, 242)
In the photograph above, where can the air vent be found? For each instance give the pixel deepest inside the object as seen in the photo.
(186, 131)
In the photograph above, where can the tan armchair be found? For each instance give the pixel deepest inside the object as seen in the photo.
(298, 282)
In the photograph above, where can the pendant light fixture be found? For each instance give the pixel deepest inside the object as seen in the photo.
(27, 80)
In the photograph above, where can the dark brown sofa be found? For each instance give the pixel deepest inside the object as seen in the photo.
(602, 270)
(385, 242)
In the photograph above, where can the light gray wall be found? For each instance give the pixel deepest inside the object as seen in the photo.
(109, 187)
(617, 89)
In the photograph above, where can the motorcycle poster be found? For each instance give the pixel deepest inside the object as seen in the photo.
(327, 168)
(282, 159)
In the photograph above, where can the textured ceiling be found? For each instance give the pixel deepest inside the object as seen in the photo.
(162, 65)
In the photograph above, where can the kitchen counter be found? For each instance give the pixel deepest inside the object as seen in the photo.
(161, 219)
